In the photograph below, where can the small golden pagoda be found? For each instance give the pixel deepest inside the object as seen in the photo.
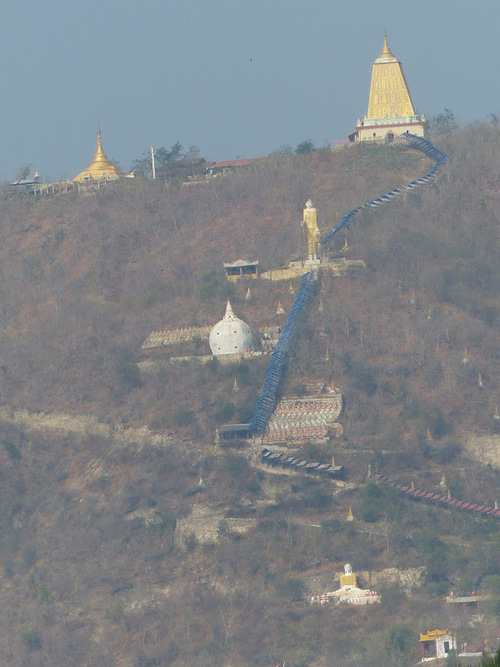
(101, 169)
(390, 108)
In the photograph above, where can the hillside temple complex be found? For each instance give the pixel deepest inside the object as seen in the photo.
(390, 108)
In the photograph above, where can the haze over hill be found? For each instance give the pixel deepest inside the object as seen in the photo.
(99, 462)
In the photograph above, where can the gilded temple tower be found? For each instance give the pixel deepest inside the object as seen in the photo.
(390, 108)
(101, 169)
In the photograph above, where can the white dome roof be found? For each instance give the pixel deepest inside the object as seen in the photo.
(231, 335)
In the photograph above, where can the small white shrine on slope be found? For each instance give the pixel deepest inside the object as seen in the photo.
(231, 335)
(348, 593)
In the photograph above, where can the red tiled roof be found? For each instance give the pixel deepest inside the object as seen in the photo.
(231, 163)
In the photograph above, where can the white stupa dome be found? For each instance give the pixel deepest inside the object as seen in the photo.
(231, 335)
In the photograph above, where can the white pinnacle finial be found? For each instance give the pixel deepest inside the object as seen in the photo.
(229, 311)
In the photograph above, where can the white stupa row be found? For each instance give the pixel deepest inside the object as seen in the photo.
(231, 335)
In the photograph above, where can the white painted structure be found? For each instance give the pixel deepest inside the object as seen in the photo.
(231, 335)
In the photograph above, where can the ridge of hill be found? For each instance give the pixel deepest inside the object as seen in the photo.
(100, 463)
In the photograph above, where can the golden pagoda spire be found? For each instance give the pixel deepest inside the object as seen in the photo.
(390, 108)
(389, 94)
(100, 169)
(386, 52)
(99, 151)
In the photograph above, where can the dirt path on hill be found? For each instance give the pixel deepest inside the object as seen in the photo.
(84, 424)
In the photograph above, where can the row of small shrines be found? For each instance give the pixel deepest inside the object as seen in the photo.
(441, 499)
(288, 461)
(284, 460)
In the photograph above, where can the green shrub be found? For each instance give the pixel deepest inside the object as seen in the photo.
(369, 514)
(13, 451)
(183, 417)
(44, 594)
(126, 370)
(32, 638)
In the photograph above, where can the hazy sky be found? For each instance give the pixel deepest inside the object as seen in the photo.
(237, 78)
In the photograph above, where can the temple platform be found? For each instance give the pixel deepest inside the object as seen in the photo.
(336, 267)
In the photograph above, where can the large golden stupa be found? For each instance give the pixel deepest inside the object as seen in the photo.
(390, 108)
(101, 169)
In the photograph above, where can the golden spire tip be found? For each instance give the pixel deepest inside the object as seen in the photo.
(386, 51)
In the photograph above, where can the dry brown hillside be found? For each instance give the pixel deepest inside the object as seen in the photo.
(101, 466)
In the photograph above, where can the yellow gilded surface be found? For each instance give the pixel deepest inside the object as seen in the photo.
(389, 94)
(100, 168)
(348, 580)
(311, 231)
(432, 634)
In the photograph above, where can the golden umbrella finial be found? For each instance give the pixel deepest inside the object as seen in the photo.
(386, 52)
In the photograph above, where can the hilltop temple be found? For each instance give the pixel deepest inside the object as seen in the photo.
(390, 108)
(101, 169)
